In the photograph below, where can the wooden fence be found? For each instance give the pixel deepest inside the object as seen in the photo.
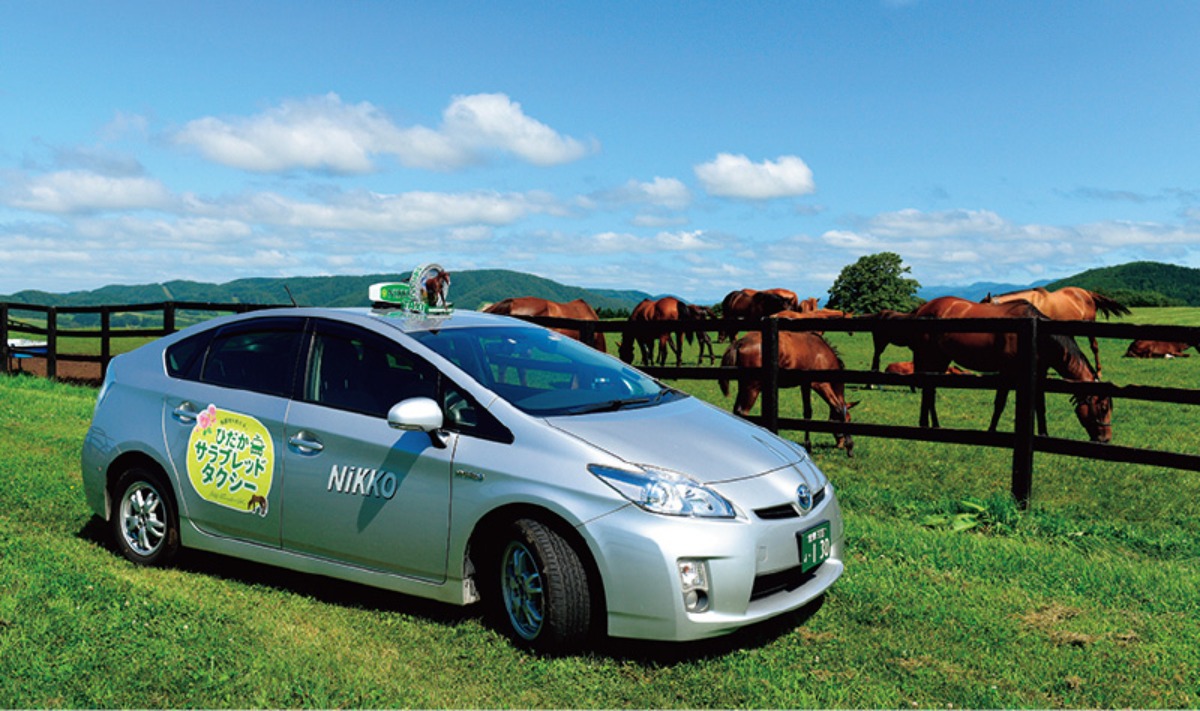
(1023, 441)
(46, 327)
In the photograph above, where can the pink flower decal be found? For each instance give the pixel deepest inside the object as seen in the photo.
(207, 417)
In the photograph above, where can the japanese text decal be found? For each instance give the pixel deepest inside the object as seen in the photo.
(231, 460)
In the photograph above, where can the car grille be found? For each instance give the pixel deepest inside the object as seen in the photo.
(784, 511)
(783, 581)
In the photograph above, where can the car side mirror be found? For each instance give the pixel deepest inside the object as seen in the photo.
(419, 414)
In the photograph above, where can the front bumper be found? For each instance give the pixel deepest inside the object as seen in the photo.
(753, 565)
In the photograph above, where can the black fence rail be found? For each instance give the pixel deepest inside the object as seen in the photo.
(1027, 387)
(42, 323)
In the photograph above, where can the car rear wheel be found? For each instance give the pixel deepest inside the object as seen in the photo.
(543, 589)
(145, 524)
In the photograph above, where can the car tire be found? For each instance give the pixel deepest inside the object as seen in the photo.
(144, 522)
(541, 593)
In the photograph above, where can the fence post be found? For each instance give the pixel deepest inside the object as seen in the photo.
(1028, 398)
(770, 364)
(4, 337)
(169, 317)
(105, 339)
(52, 343)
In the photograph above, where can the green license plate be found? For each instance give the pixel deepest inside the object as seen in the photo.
(815, 546)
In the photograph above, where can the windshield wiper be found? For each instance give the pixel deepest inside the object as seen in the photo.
(609, 405)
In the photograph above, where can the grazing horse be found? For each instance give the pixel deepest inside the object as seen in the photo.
(997, 352)
(798, 350)
(905, 367)
(751, 305)
(1069, 303)
(665, 309)
(535, 306)
(1158, 349)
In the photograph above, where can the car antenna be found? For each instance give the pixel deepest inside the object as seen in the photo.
(289, 293)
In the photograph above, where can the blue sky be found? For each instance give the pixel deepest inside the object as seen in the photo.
(685, 148)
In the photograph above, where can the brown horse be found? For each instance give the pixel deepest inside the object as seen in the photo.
(809, 304)
(1158, 349)
(798, 350)
(818, 314)
(882, 339)
(1069, 303)
(665, 309)
(535, 306)
(752, 305)
(997, 352)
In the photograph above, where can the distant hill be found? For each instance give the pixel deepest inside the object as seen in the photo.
(1141, 284)
(469, 290)
(974, 292)
(1133, 284)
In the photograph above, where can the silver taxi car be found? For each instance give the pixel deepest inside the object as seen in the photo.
(461, 457)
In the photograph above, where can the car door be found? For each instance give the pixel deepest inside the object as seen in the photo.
(224, 412)
(357, 490)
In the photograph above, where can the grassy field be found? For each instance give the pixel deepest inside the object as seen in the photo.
(1089, 599)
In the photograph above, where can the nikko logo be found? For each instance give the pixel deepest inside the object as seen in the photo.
(357, 481)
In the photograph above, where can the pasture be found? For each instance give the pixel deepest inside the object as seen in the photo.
(952, 597)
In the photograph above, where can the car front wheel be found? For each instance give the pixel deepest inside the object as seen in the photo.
(145, 524)
(543, 591)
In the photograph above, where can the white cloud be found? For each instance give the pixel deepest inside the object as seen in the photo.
(78, 191)
(666, 193)
(489, 122)
(735, 176)
(325, 134)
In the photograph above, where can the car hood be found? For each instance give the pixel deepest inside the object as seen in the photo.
(688, 436)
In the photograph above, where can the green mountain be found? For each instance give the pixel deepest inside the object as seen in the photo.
(469, 290)
(1140, 284)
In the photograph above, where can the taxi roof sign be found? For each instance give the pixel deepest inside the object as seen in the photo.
(425, 293)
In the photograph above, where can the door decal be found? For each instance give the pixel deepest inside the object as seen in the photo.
(231, 460)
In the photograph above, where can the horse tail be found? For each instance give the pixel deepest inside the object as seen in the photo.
(729, 360)
(1108, 306)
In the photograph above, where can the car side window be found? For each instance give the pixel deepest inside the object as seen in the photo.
(258, 355)
(356, 370)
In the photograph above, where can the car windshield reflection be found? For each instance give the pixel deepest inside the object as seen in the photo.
(545, 373)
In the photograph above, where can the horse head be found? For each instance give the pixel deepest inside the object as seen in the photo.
(1095, 414)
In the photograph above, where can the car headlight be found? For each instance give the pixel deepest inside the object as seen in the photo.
(664, 492)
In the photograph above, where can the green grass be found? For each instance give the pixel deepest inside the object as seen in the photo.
(1091, 598)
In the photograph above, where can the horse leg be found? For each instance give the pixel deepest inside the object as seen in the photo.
(839, 411)
(998, 407)
(1095, 354)
(929, 406)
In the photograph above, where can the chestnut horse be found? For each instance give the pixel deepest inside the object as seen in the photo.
(798, 350)
(1158, 349)
(667, 308)
(751, 305)
(998, 352)
(535, 306)
(1069, 303)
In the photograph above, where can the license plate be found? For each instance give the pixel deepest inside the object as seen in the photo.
(815, 546)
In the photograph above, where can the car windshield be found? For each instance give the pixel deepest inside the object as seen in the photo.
(545, 373)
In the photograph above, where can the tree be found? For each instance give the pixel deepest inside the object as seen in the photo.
(873, 283)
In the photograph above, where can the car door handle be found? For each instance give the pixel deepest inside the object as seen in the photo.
(186, 412)
(306, 442)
